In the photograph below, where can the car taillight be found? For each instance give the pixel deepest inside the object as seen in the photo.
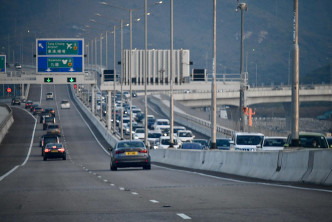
(119, 151)
(47, 150)
(143, 151)
(62, 149)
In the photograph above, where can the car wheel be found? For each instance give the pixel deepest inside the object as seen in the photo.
(64, 157)
(148, 167)
(45, 158)
(113, 168)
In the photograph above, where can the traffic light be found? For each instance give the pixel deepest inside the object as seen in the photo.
(71, 79)
(9, 90)
(75, 86)
(48, 80)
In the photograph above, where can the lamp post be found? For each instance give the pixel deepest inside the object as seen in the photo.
(171, 83)
(146, 71)
(214, 88)
(243, 7)
(295, 82)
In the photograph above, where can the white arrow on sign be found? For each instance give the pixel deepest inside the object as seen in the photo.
(48, 70)
(41, 45)
(71, 70)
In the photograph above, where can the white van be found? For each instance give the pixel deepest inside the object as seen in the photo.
(247, 141)
(161, 124)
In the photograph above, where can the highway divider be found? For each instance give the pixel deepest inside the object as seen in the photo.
(7, 120)
(293, 165)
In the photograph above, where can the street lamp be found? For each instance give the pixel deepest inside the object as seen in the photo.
(243, 7)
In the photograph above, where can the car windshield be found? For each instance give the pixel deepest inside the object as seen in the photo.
(154, 135)
(53, 126)
(54, 145)
(185, 134)
(224, 143)
(50, 140)
(274, 142)
(162, 123)
(64, 102)
(131, 144)
(312, 141)
(249, 139)
(140, 131)
(167, 142)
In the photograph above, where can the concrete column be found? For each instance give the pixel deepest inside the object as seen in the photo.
(288, 115)
(109, 110)
(93, 98)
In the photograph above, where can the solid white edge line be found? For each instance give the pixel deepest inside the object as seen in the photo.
(9, 172)
(88, 126)
(183, 216)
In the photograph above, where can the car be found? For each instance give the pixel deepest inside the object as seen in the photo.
(37, 111)
(329, 140)
(16, 101)
(135, 112)
(18, 66)
(54, 150)
(130, 153)
(204, 142)
(33, 106)
(192, 146)
(222, 144)
(153, 138)
(48, 138)
(49, 96)
(50, 110)
(185, 135)
(308, 140)
(164, 142)
(161, 124)
(139, 134)
(151, 121)
(53, 129)
(43, 115)
(244, 141)
(274, 143)
(177, 128)
(65, 104)
(48, 120)
(28, 104)
(123, 127)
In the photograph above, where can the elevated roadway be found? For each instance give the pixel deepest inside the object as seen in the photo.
(82, 188)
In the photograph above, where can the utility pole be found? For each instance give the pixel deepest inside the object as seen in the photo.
(242, 7)
(171, 84)
(214, 88)
(295, 83)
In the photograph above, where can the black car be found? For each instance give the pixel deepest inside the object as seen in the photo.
(48, 120)
(16, 101)
(54, 150)
(130, 153)
(48, 138)
(50, 111)
(28, 104)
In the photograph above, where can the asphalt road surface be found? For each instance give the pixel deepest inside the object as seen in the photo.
(82, 188)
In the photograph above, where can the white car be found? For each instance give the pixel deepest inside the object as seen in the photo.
(153, 139)
(164, 142)
(247, 141)
(177, 128)
(49, 95)
(185, 135)
(65, 104)
(274, 143)
(161, 124)
(139, 134)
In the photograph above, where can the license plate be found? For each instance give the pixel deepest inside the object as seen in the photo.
(131, 153)
(54, 151)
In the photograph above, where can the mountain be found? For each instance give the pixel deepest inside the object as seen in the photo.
(268, 27)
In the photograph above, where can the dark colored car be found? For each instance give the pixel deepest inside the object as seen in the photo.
(192, 146)
(222, 144)
(329, 140)
(28, 104)
(53, 129)
(309, 140)
(130, 153)
(43, 115)
(50, 110)
(48, 120)
(203, 142)
(33, 106)
(37, 111)
(54, 150)
(48, 138)
(16, 101)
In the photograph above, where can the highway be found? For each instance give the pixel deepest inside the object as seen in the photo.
(83, 188)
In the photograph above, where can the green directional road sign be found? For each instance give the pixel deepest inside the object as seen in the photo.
(48, 80)
(71, 79)
(59, 62)
(62, 48)
(2, 63)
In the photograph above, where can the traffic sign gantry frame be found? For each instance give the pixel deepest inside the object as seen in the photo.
(60, 56)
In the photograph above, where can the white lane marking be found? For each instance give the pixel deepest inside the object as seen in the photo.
(134, 193)
(99, 177)
(89, 127)
(8, 173)
(154, 201)
(105, 181)
(241, 181)
(32, 137)
(183, 216)
(112, 184)
(121, 188)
